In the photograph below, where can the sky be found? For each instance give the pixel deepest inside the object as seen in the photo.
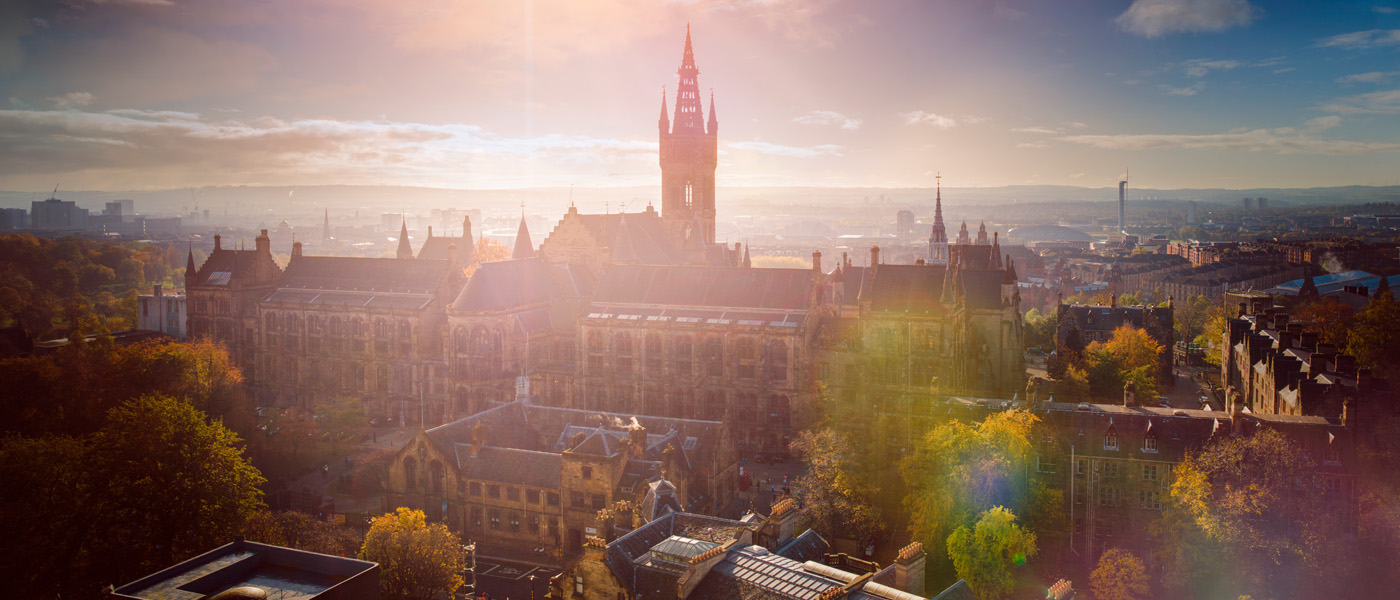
(473, 94)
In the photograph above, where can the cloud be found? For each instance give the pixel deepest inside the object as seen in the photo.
(828, 117)
(1283, 140)
(1201, 66)
(1283, 70)
(1372, 77)
(1361, 39)
(790, 151)
(1190, 90)
(72, 100)
(919, 117)
(1385, 10)
(1031, 145)
(167, 147)
(1376, 103)
(1035, 130)
(1156, 18)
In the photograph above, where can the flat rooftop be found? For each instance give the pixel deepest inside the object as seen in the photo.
(284, 573)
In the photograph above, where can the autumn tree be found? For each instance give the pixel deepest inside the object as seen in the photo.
(1119, 576)
(294, 529)
(1262, 502)
(487, 250)
(42, 492)
(417, 560)
(987, 554)
(344, 419)
(838, 494)
(1327, 317)
(1374, 337)
(1129, 355)
(958, 471)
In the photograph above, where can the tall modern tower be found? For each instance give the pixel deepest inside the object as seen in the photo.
(1122, 198)
(689, 154)
(938, 240)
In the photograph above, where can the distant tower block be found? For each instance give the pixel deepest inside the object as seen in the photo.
(1262, 204)
(1122, 200)
(1248, 204)
(689, 154)
(1191, 218)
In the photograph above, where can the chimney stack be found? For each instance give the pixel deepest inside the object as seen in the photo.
(817, 261)
(909, 569)
(874, 257)
(296, 249)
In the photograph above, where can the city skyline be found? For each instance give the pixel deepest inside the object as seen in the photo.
(1189, 93)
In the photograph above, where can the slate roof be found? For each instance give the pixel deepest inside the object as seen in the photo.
(957, 591)
(904, 288)
(506, 284)
(435, 248)
(508, 465)
(1107, 318)
(714, 287)
(808, 546)
(637, 238)
(225, 266)
(357, 274)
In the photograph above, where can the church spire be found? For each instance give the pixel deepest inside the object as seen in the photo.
(940, 233)
(663, 123)
(326, 229)
(713, 126)
(523, 247)
(687, 116)
(405, 249)
(189, 266)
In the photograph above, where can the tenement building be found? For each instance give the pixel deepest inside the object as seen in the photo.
(1271, 364)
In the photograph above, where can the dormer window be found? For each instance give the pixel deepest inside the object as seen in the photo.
(1333, 454)
(1149, 444)
(1110, 439)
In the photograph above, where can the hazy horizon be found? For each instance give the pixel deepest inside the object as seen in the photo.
(1198, 94)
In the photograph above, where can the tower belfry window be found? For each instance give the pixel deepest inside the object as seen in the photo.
(689, 189)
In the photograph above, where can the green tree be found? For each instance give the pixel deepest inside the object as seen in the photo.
(169, 484)
(43, 492)
(417, 560)
(1374, 338)
(1264, 504)
(839, 497)
(1039, 330)
(959, 470)
(987, 554)
(344, 419)
(1191, 315)
(1119, 576)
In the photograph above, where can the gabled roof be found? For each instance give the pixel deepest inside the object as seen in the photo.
(808, 546)
(903, 288)
(224, 267)
(719, 287)
(436, 248)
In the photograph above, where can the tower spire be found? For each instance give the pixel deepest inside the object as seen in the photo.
(712, 127)
(663, 123)
(523, 247)
(326, 229)
(688, 111)
(405, 249)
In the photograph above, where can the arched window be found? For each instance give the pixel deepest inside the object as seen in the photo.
(410, 473)
(654, 354)
(437, 474)
(777, 360)
(622, 353)
(714, 356)
(747, 356)
(596, 351)
(684, 355)
(460, 340)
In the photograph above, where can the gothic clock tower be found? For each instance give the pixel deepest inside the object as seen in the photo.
(689, 151)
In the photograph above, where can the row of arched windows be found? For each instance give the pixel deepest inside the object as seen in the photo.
(752, 356)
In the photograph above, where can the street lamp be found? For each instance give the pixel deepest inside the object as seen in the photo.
(532, 587)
